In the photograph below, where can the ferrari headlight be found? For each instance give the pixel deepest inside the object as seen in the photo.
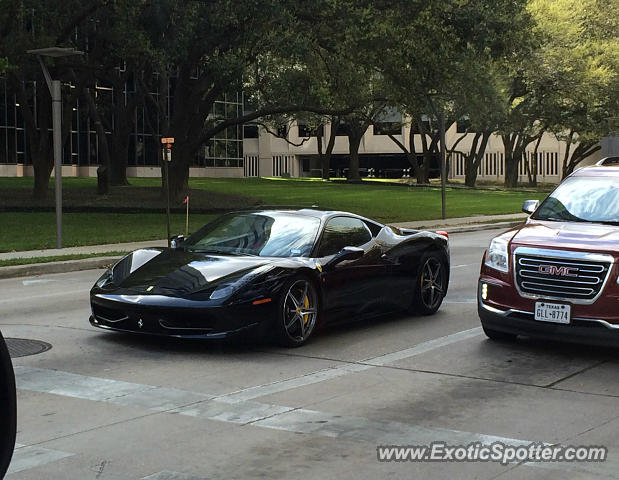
(104, 279)
(226, 289)
(222, 292)
(497, 257)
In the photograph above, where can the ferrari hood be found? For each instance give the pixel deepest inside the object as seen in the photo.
(568, 236)
(178, 272)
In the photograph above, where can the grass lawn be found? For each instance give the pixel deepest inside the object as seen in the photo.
(386, 203)
(57, 258)
(34, 230)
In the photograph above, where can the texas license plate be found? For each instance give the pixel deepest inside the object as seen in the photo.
(553, 312)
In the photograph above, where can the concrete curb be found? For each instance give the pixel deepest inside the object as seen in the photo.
(103, 262)
(56, 267)
(481, 227)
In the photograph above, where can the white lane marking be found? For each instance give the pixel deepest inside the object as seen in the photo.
(37, 281)
(193, 404)
(464, 265)
(238, 412)
(423, 347)
(167, 475)
(274, 417)
(103, 389)
(25, 457)
(330, 373)
(373, 431)
(291, 383)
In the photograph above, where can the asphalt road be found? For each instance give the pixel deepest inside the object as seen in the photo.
(101, 405)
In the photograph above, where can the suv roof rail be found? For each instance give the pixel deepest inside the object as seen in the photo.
(608, 161)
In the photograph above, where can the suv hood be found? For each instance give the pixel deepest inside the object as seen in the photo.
(591, 237)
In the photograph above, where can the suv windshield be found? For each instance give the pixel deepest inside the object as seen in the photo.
(583, 199)
(266, 235)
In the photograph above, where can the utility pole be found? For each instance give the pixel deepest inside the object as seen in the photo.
(167, 158)
(56, 94)
(441, 117)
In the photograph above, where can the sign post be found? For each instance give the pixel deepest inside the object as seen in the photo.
(167, 158)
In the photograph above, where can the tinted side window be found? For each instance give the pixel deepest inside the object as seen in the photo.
(343, 232)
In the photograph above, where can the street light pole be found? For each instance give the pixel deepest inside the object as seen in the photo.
(56, 125)
(56, 94)
(441, 117)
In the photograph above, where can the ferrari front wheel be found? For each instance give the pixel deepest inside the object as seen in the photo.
(431, 284)
(298, 312)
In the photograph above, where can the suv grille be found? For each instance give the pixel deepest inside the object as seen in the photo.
(562, 278)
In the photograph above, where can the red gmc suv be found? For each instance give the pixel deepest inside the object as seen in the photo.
(556, 275)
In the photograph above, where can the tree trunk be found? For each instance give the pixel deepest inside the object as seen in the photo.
(582, 151)
(355, 135)
(124, 122)
(39, 138)
(41, 180)
(325, 158)
(515, 145)
(473, 160)
(353, 165)
(103, 172)
(533, 169)
(178, 169)
(120, 159)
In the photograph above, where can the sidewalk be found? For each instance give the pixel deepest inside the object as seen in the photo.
(451, 225)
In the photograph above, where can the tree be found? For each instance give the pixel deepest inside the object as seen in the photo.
(441, 51)
(576, 72)
(33, 24)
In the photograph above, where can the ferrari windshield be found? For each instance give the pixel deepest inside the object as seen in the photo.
(583, 199)
(262, 234)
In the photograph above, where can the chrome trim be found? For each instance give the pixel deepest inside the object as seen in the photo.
(563, 255)
(163, 325)
(109, 320)
(505, 313)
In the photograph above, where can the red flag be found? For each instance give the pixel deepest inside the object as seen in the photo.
(186, 199)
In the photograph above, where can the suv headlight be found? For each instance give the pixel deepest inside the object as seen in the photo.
(497, 257)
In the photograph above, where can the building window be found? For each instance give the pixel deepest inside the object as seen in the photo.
(388, 122)
(282, 131)
(427, 125)
(463, 125)
(250, 131)
(306, 131)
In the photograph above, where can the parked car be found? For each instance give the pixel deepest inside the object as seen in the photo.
(282, 271)
(556, 275)
(8, 408)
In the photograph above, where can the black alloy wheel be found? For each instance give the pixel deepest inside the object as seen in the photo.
(298, 312)
(431, 284)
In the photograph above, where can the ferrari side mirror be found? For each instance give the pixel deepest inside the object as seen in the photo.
(346, 253)
(529, 206)
(177, 241)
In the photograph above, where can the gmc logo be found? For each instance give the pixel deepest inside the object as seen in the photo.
(558, 271)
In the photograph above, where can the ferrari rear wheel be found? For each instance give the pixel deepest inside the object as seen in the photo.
(298, 313)
(431, 284)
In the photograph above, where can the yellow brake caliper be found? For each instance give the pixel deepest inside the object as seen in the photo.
(306, 305)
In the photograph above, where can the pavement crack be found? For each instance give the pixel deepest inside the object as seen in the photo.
(590, 367)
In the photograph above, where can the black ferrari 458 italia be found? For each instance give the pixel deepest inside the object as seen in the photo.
(279, 271)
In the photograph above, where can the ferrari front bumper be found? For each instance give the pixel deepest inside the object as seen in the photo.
(176, 319)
